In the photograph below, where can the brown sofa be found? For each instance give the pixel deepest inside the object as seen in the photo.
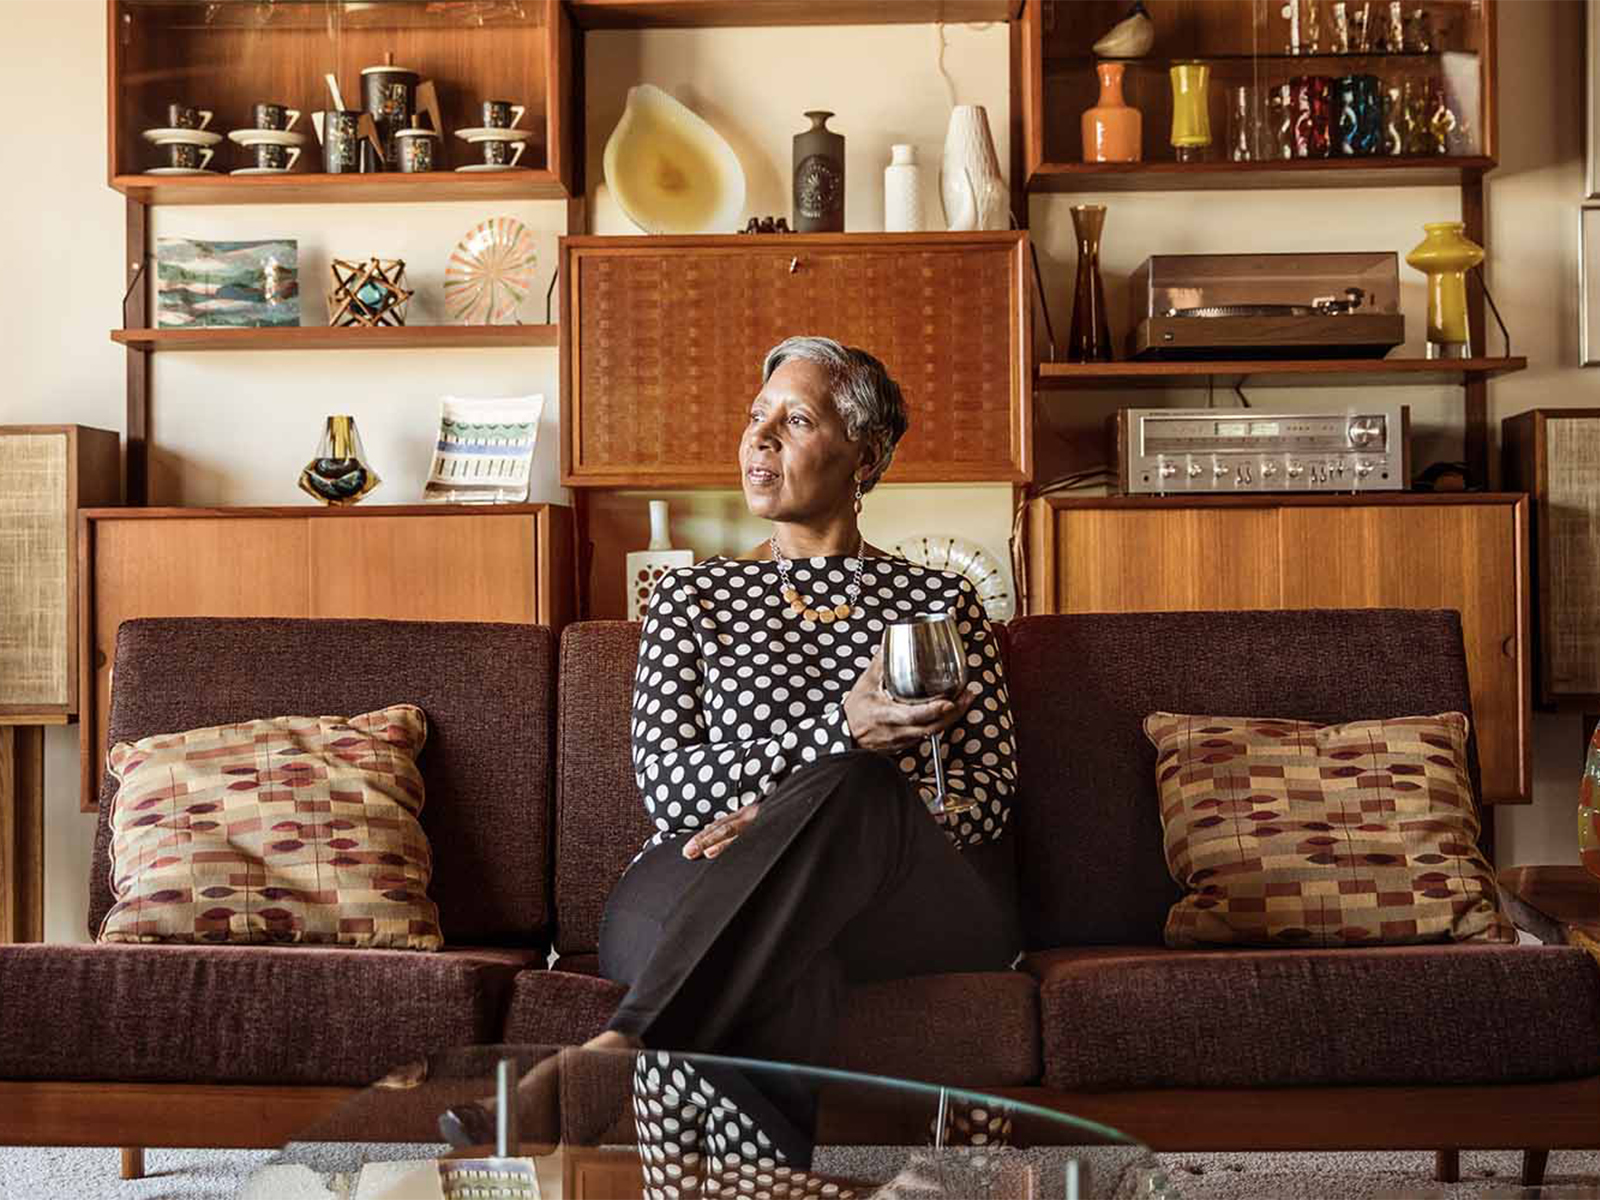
(533, 815)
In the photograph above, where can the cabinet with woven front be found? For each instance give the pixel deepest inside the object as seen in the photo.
(663, 341)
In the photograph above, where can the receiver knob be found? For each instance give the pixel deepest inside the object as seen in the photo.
(1219, 470)
(1168, 470)
(1363, 468)
(1194, 470)
(1294, 470)
(1268, 470)
(1365, 431)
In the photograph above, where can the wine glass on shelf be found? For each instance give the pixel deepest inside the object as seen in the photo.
(923, 660)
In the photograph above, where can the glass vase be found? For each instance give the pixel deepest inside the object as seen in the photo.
(1090, 337)
(339, 474)
(1445, 255)
(1191, 114)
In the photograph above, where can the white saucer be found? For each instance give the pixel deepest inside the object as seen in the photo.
(182, 171)
(493, 167)
(267, 137)
(260, 171)
(485, 134)
(200, 137)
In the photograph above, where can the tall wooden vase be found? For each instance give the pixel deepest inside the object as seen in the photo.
(1112, 131)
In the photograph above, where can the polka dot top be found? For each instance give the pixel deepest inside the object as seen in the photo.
(733, 690)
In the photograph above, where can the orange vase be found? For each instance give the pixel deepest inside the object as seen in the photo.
(1112, 131)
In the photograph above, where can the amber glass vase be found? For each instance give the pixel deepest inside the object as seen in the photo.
(1090, 338)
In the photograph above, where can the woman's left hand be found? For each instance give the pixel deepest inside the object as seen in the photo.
(718, 836)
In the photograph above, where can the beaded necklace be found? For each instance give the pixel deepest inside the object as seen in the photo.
(801, 605)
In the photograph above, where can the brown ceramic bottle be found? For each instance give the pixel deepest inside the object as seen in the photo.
(1090, 337)
(1112, 131)
(819, 177)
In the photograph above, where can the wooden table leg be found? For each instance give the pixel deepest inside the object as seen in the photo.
(1447, 1166)
(21, 833)
(1533, 1165)
(133, 1162)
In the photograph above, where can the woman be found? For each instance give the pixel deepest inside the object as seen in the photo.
(794, 851)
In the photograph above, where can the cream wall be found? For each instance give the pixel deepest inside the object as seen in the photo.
(235, 428)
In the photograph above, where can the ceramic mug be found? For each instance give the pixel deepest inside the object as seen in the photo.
(417, 149)
(501, 114)
(181, 116)
(188, 155)
(500, 154)
(276, 116)
(276, 158)
(341, 140)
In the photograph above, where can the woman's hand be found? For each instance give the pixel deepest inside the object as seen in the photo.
(718, 836)
(880, 722)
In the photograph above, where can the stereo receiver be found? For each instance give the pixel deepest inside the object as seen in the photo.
(1364, 448)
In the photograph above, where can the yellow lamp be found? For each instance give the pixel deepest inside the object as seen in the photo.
(1444, 255)
(1191, 114)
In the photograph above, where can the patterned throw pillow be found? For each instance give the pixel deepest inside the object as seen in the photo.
(294, 829)
(1287, 833)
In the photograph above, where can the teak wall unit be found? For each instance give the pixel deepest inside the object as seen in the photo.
(1467, 552)
(415, 563)
(228, 56)
(663, 338)
(1053, 82)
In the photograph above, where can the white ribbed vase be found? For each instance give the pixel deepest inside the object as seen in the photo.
(970, 184)
(902, 191)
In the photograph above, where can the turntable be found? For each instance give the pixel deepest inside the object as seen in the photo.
(1273, 306)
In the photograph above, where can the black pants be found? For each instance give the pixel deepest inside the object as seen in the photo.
(843, 877)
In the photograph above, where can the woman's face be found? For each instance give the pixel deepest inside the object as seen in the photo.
(795, 461)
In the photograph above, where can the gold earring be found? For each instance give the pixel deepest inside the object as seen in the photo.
(858, 495)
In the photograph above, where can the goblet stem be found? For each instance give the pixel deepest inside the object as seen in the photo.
(938, 774)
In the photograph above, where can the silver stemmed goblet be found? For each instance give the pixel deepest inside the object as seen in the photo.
(923, 660)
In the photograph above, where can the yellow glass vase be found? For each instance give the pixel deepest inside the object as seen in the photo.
(1445, 255)
(1191, 112)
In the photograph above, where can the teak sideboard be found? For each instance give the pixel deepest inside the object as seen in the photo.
(1462, 551)
(437, 562)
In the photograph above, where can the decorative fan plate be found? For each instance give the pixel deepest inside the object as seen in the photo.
(946, 553)
(489, 273)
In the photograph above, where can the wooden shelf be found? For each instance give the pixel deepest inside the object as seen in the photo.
(1316, 372)
(317, 188)
(1268, 372)
(639, 14)
(1278, 173)
(323, 337)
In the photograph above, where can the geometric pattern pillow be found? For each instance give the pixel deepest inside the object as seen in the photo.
(1288, 833)
(289, 830)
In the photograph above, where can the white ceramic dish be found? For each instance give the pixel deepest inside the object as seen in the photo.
(266, 137)
(199, 137)
(491, 167)
(181, 171)
(485, 134)
(260, 171)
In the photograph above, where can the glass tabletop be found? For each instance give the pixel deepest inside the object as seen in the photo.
(564, 1123)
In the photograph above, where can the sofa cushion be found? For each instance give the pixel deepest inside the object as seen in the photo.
(1143, 1017)
(1087, 821)
(1288, 833)
(975, 1030)
(488, 691)
(289, 829)
(242, 1014)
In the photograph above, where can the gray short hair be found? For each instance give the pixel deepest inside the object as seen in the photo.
(868, 400)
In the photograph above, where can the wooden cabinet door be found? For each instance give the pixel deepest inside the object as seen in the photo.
(1170, 559)
(665, 338)
(1467, 557)
(465, 568)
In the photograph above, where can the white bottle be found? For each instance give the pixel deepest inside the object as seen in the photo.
(902, 191)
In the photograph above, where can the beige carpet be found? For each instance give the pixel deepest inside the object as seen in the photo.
(74, 1174)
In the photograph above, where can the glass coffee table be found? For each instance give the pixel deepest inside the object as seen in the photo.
(577, 1124)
